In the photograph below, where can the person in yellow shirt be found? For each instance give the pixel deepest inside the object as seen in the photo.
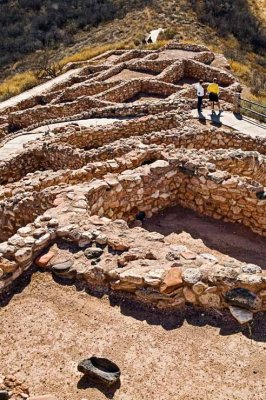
(213, 90)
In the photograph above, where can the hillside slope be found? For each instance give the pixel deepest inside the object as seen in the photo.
(28, 27)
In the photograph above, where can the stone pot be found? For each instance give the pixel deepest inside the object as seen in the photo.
(100, 370)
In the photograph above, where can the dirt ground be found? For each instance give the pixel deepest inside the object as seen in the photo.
(209, 235)
(47, 328)
(176, 54)
(127, 74)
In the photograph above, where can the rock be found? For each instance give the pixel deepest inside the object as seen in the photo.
(173, 280)
(251, 269)
(39, 232)
(172, 256)
(191, 275)
(210, 300)
(118, 244)
(154, 277)
(211, 289)
(63, 267)
(189, 295)
(199, 287)
(159, 165)
(53, 223)
(64, 231)
(23, 255)
(188, 255)
(253, 281)
(100, 370)
(101, 239)
(219, 274)
(25, 231)
(133, 275)
(243, 298)
(93, 252)
(178, 249)
(7, 265)
(43, 240)
(86, 239)
(7, 250)
(209, 257)
(44, 259)
(124, 286)
(241, 315)
(4, 395)
(16, 240)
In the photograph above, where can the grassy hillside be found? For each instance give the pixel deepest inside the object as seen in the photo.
(77, 29)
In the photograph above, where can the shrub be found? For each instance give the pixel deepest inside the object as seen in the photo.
(168, 34)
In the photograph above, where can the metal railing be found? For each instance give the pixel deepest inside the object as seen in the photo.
(247, 107)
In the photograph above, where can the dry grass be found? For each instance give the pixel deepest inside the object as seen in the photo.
(88, 53)
(157, 45)
(26, 80)
(17, 84)
(241, 70)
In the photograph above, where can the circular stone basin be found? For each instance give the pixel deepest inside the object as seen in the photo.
(100, 369)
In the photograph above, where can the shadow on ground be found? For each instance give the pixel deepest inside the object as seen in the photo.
(87, 383)
(234, 240)
(167, 319)
(196, 316)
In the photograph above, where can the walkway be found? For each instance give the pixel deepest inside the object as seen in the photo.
(82, 122)
(242, 124)
(15, 145)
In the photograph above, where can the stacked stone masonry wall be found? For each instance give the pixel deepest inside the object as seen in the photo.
(83, 185)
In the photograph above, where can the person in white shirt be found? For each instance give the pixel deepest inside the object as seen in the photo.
(200, 94)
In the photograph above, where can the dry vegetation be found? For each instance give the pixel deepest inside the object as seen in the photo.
(240, 37)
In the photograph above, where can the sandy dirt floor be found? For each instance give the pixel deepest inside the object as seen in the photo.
(176, 55)
(208, 235)
(127, 74)
(47, 328)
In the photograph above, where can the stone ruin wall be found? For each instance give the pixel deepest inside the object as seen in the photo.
(168, 71)
(82, 185)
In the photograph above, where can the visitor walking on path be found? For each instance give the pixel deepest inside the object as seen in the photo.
(200, 94)
(213, 90)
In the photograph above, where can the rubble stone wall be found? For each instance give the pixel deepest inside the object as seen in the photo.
(199, 70)
(40, 114)
(81, 186)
